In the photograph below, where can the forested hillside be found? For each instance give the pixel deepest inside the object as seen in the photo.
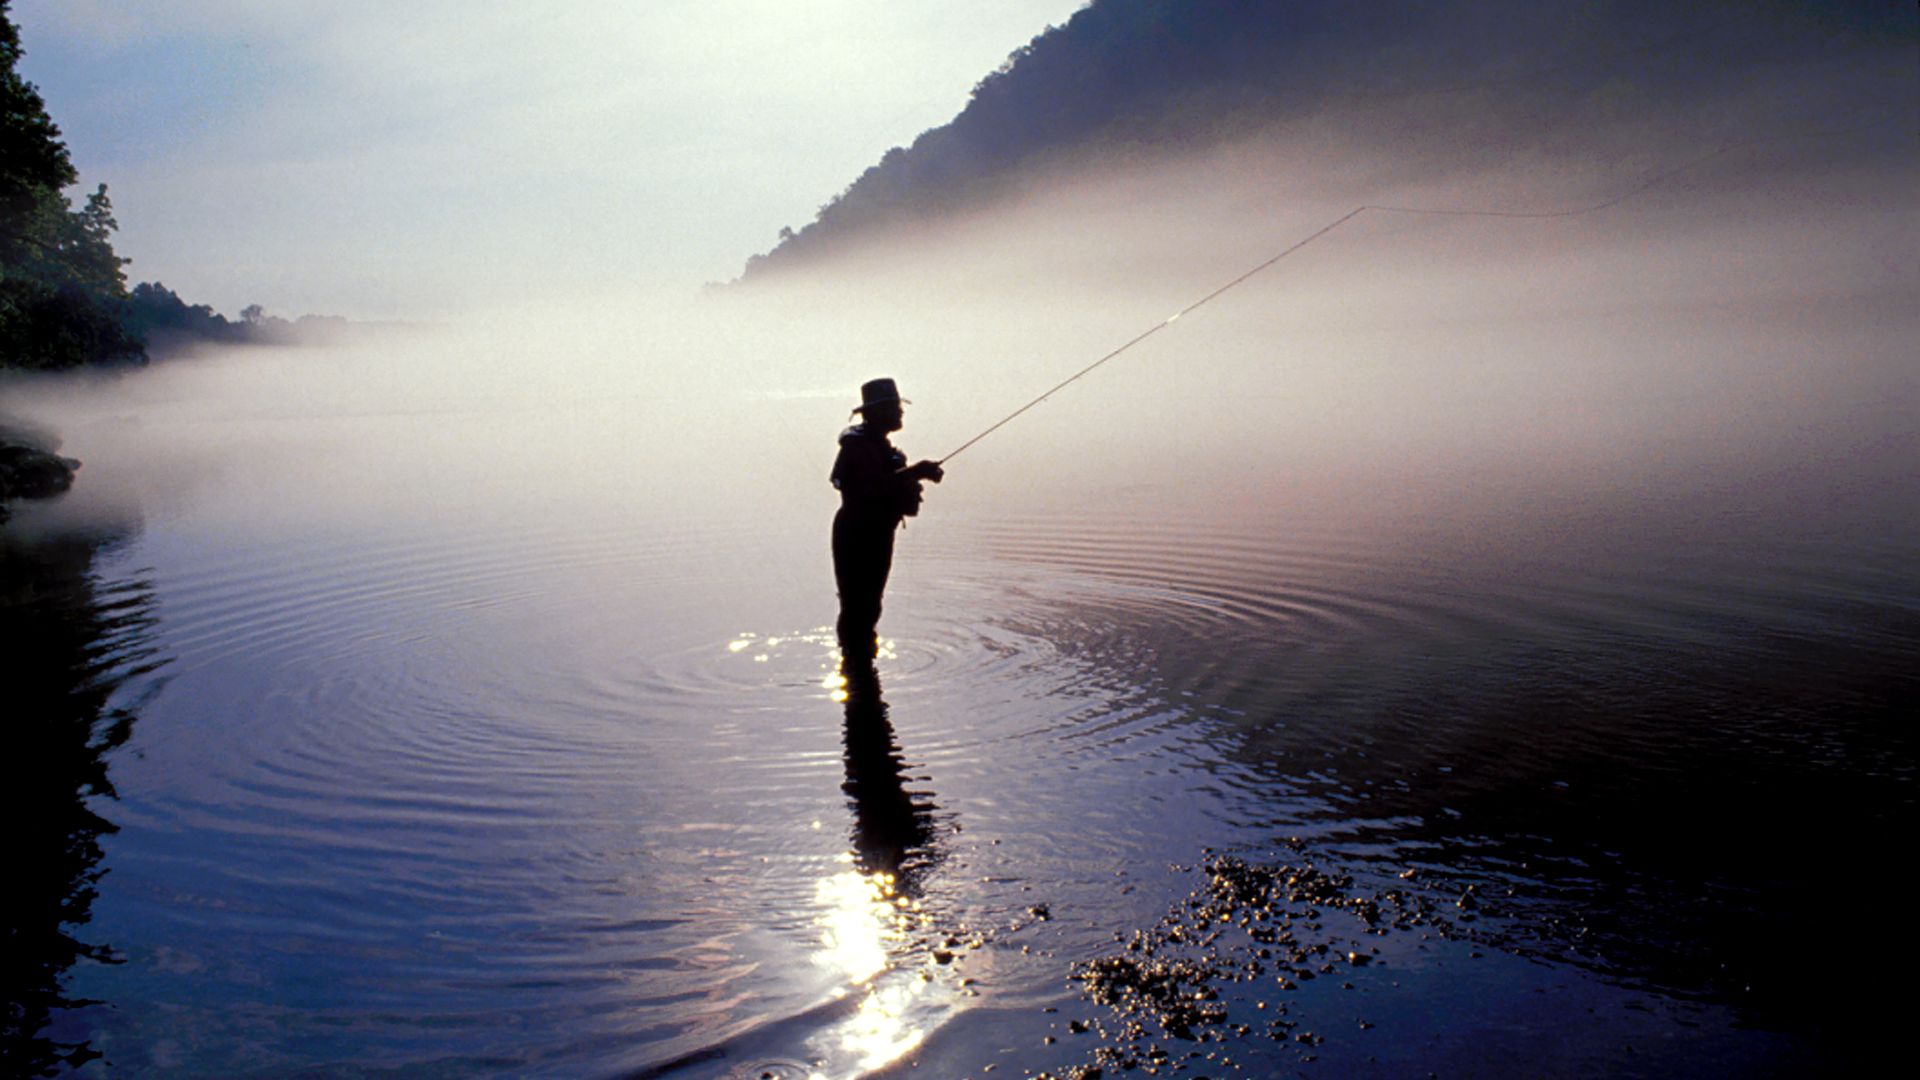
(1130, 80)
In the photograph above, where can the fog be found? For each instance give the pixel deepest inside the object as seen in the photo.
(1732, 338)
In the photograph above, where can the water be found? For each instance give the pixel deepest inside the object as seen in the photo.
(463, 719)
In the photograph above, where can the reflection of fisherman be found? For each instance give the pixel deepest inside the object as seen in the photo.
(877, 489)
(892, 827)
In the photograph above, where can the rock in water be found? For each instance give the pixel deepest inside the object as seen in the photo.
(27, 472)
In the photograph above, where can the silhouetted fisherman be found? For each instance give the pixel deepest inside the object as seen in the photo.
(878, 490)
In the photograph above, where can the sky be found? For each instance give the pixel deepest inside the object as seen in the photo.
(425, 159)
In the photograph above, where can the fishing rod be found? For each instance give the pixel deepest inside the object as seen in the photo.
(1156, 328)
(1643, 186)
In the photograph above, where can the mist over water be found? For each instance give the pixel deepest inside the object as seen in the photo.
(498, 730)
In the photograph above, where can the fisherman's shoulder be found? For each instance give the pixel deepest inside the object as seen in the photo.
(858, 435)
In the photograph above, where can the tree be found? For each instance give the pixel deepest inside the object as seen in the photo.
(33, 160)
(63, 294)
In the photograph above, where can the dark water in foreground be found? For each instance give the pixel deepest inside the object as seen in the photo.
(524, 800)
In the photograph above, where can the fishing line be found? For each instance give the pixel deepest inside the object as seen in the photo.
(1637, 189)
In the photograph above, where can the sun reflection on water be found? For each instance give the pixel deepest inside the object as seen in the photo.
(876, 934)
(864, 922)
(877, 939)
(860, 919)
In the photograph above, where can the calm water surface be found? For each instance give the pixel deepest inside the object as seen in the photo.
(416, 775)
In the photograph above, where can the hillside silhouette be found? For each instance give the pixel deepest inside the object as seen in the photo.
(1129, 82)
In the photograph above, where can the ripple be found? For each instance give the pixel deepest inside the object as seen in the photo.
(588, 779)
(1235, 595)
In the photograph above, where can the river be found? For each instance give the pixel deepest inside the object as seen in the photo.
(458, 704)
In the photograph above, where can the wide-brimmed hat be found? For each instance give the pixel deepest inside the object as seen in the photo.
(879, 392)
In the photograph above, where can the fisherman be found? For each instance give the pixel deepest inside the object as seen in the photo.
(878, 489)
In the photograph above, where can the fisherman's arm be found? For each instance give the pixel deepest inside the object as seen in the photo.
(923, 470)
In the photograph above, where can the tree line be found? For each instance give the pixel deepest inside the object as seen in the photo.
(64, 298)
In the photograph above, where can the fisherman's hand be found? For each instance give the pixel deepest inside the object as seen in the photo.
(928, 470)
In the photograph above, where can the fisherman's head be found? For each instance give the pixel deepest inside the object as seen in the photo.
(880, 403)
